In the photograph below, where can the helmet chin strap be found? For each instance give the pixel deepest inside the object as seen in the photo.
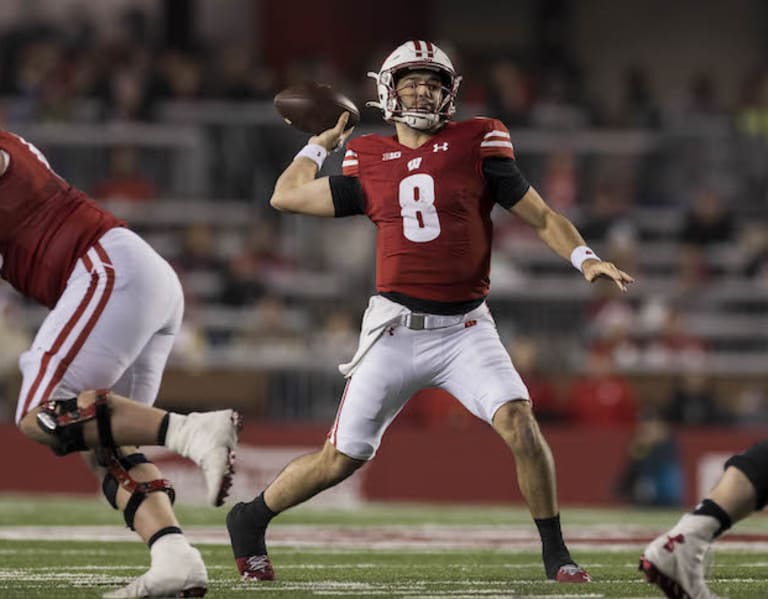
(419, 121)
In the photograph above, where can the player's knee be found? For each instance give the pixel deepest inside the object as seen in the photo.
(62, 422)
(336, 465)
(753, 463)
(515, 423)
(29, 428)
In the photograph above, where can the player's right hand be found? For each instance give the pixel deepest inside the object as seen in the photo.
(596, 269)
(333, 138)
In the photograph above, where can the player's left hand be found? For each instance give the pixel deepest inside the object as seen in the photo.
(595, 269)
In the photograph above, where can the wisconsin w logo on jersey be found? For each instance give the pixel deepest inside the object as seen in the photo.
(414, 163)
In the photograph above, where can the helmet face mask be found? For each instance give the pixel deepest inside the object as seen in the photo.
(416, 56)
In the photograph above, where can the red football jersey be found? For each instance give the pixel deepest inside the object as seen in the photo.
(432, 208)
(45, 223)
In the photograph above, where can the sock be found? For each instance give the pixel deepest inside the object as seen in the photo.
(172, 429)
(553, 549)
(166, 546)
(168, 530)
(247, 525)
(709, 508)
(258, 511)
(163, 430)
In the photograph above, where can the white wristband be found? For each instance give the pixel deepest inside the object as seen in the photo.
(315, 152)
(581, 253)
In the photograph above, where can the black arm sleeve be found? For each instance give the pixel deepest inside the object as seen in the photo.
(348, 195)
(505, 181)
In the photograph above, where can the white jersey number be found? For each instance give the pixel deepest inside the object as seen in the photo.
(417, 207)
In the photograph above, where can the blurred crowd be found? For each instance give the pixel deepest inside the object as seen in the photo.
(49, 70)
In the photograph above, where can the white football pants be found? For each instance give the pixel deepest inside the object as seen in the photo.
(112, 328)
(467, 360)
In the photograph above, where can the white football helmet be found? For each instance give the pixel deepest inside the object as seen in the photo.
(411, 56)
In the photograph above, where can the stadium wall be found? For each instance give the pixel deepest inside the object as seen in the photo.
(468, 465)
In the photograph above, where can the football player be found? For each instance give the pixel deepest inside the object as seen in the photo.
(94, 368)
(429, 189)
(675, 560)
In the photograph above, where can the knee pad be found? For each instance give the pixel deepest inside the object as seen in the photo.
(64, 420)
(753, 463)
(118, 476)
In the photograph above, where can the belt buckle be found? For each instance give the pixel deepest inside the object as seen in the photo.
(416, 321)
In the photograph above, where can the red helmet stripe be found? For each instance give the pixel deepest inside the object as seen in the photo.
(430, 50)
(417, 47)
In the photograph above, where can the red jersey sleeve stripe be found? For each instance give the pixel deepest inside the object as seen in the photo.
(350, 169)
(499, 149)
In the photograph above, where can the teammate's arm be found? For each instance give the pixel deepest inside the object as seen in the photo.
(297, 190)
(562, 237)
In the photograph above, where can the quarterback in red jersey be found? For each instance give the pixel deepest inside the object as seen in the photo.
(94, 368)
(429, 189)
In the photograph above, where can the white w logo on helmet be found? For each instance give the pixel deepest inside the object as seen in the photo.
(415, 55)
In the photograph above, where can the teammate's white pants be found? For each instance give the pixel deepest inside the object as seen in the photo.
(466, 359)
(112, 328)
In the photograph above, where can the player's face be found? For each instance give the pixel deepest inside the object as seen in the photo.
(420, 90)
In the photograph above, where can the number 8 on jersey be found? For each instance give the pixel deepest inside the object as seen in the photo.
(417, 207)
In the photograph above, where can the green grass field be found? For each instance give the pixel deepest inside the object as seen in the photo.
(74, 548)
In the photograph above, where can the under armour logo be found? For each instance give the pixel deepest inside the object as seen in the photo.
(437, 147)
(258, 562)
(670, 544)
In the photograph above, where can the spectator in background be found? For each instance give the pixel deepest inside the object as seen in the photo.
(702, 104)
(125, 181)
(237, 78)
(338, 335)
(608, 216)
(639, 108)
(251, 269)
(546, 402)
(693, 401)
(653, 472)
(203, 272)
(612, 321)
(509, 94)
(706, 223)
(556, 106)
(560, 180)
(601, 396)
(756, 247)
(670, 345)
(126, 87)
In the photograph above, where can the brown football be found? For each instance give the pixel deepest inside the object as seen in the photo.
(314, 107)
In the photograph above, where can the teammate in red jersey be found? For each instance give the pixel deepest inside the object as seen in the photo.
(116, 306)
(430, 190)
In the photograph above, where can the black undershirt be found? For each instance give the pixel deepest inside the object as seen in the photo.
(506, 184)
